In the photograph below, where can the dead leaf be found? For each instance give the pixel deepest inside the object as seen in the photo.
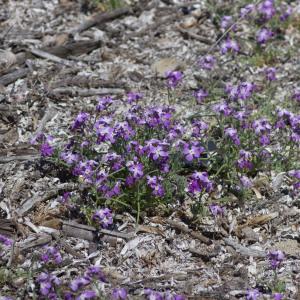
(53, 223)
(166, 64)
(262, 219)
(7, 60)
(150, 229)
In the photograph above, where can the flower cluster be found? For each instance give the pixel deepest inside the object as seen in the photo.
(103, 217)
(275, 258)
(51, 254)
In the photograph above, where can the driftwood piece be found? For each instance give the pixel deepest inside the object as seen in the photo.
(30, 203)
(52, 57)
(80, 231)
(74, 91)
(180, 226)
(101, 18)
(89, 232)
(13, 76)
(245, 251)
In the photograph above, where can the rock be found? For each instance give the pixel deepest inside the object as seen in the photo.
(161, 66)
(278, 180)
(189, 22)
(197, 13)
(290, 247)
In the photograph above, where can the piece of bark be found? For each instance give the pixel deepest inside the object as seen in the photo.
(7, 227)
(6, 159)
(41, 239)
(101, 19)
(244, 250)
(14, 76)
(180, 226)
(52, 57)
(73, 91)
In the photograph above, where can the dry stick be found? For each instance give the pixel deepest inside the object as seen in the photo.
(197, 235)
(50, 113)
(101, 18)
(49, 56)
(195, 36)
(73, 91)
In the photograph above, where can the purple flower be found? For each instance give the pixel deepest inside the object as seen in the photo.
(154, 183)
(232, 91)
(123, 130)
(69, 157)
(104, 217)
(51, 253)
(263, 35)
(153, 295)
(179, 297)
(230, 46)
(199, 182)
(252, 294)
(78, 283)
(80, 120)
(135, 168)
(232, 133)
(278, 296)
(286, 13)
(192, 151)
(296, 95)
(261, 126)
(119, 294)
(94, 272)
(216, 210)
(222, 108)
(6, 241)
(245, 90)
(200, 95)
(264, 140)
(275, 258)
(199, 128)
(104, 132)
(247, 10)
(270, 74)
(267, 9)
(46, 150)
(134, 97)
(246, 182)
(156, 149)
(47, 283)
(226, 22)
(244, 161)
(104, 103)
(207, 62)
(88, 294)
(173, 77)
